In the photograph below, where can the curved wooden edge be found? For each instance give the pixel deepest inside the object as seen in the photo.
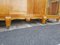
(34, 16)
(53, 16)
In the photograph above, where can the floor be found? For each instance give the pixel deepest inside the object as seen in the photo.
(36, 35)
(30, 33)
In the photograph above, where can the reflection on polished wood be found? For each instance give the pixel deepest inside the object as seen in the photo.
(36, 9)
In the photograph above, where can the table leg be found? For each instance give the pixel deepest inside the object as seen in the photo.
(8, 21)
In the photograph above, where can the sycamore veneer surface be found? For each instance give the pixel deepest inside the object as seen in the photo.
(21, 9)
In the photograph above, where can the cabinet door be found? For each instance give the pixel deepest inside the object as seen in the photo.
(53, 8)
(18, 6)
(36, 6)
(30, 4)
(4, 6)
